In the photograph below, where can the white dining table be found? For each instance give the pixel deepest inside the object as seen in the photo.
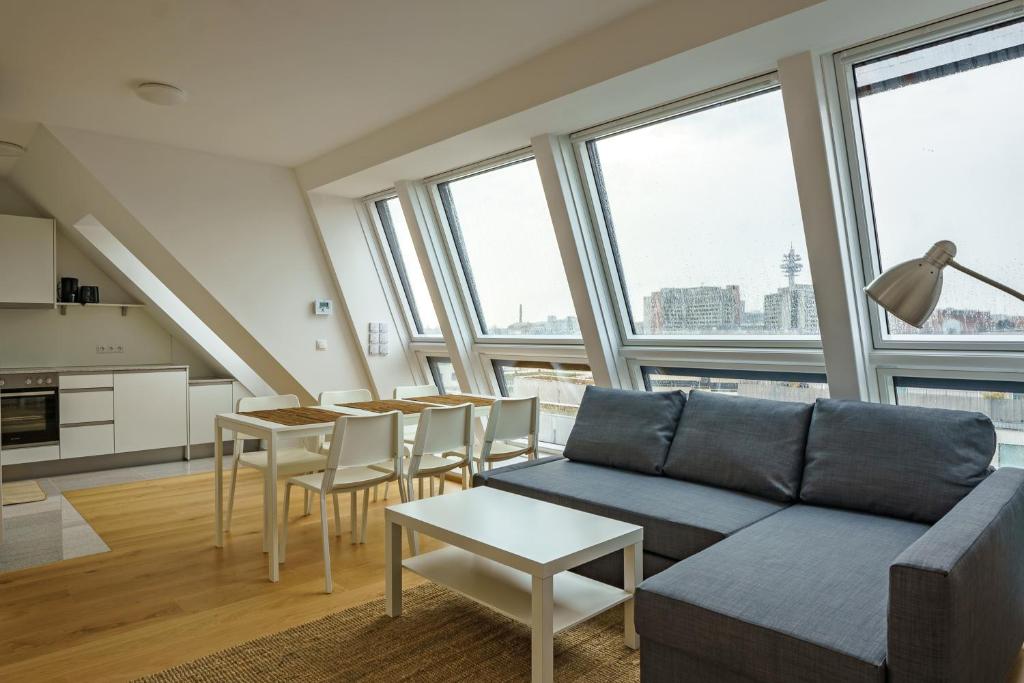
(272, 433)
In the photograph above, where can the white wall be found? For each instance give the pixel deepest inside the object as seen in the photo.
(358, 266)
(43, 337)
(242, 230)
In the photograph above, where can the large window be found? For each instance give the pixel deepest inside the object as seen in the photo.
(1003, 402)
(703, 220)
(941, 156)
(506, 244)
(407, 267)
(560, 387)
(803, 387)
(443, 373)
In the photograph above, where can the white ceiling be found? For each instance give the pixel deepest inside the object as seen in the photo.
(277, 81)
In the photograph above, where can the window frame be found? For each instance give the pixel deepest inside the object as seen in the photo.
(766, 375)
(457, 258)
(434, 372)
(603, 237)
(396, 272)
(863, 231)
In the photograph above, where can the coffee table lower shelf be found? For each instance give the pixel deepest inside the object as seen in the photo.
(508, 591)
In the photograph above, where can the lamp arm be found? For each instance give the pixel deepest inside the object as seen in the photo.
(987, 280)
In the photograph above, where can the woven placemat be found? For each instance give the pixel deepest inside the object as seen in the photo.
(295, 417)
(456, 400)
(387, 405)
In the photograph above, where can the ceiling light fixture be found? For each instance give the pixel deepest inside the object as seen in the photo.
(163, 94)
(10, 149)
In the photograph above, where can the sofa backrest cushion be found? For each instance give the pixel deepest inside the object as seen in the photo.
(745, 444)
(630, 430)
(900, 461)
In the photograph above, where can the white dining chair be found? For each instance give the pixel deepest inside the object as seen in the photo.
(293, 457)
(365, 451)
(333, 398)
(510, 420)
(444, 442)
(415, 391)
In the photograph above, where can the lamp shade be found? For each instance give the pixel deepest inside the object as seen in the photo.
(910, 290)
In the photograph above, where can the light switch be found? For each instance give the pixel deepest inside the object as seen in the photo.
(383, 349)
(375, 337)
(321, 344)
(374, 327)
(374, 349)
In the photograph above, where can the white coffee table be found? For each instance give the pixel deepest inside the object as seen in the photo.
(511, 553)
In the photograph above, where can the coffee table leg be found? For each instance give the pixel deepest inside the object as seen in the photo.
(632, 575)
(393, 568)
(543, 659)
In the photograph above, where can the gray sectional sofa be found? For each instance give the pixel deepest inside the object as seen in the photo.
(787, 542)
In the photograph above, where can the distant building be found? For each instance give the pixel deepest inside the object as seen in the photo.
(692, 309)
(568, 326)
(791, 309)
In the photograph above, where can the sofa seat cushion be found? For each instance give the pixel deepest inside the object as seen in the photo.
(902, 461)
(799, 596)
(679, 518)
(631, 430)
(745, 444)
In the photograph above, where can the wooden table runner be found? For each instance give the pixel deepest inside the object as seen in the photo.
(295, 417)
(456, 400)
(407, 407)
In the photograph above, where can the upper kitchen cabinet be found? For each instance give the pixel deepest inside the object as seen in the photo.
(27, 269)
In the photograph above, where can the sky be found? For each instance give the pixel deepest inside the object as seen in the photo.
(710, 198)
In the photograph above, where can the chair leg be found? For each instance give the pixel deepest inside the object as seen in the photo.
(284, 530)
(374, 494)
(352, 516)
(420, 493)
(440, 484)
(431, 487)
(307, 503)
(328, 580)
(337, 516)
(266, 512)
(231, 494)
(366, 504)
(387, 485)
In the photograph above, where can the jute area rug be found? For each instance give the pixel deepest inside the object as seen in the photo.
(440, 636)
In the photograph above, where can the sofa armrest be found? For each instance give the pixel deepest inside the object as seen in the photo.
(480, 478)
(956, 595)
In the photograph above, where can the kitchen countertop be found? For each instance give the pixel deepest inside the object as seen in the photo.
(210, 380)
(92, 368)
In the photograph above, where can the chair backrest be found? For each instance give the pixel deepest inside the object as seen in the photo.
(413, 392)
(444, 429)
(362, 440)
(247, 403)
(333, 398)
(512, 418)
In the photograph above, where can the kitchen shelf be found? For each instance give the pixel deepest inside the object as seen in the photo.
(64, 305)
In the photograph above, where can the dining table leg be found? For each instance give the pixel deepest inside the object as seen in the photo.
(218, 479)
(270, 501)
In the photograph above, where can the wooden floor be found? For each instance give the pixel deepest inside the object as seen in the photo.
(164, 595)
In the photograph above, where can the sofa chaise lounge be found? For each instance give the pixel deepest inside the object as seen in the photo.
(787, 542)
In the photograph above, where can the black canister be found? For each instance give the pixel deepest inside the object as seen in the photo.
(68, 291)
(89, 294)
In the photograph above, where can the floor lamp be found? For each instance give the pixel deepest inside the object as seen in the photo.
(910, 290)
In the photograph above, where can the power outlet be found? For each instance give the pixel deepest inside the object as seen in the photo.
(110, 348)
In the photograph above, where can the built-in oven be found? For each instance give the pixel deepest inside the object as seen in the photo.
(29, 409)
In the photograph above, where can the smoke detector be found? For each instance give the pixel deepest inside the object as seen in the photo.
(163, 94)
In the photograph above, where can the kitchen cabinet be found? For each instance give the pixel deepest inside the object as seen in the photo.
(93, 405)
(27, 268)
(85, 440)
(205, 401)
(150, 410)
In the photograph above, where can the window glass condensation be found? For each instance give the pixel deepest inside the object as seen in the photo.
(943, 148)
(510, 258)
(704, 222)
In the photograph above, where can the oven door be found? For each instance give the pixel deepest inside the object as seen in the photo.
(28, 417)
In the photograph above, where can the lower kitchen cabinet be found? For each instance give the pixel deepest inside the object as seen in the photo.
(84, 440)
(206, 401)
(150, 410)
